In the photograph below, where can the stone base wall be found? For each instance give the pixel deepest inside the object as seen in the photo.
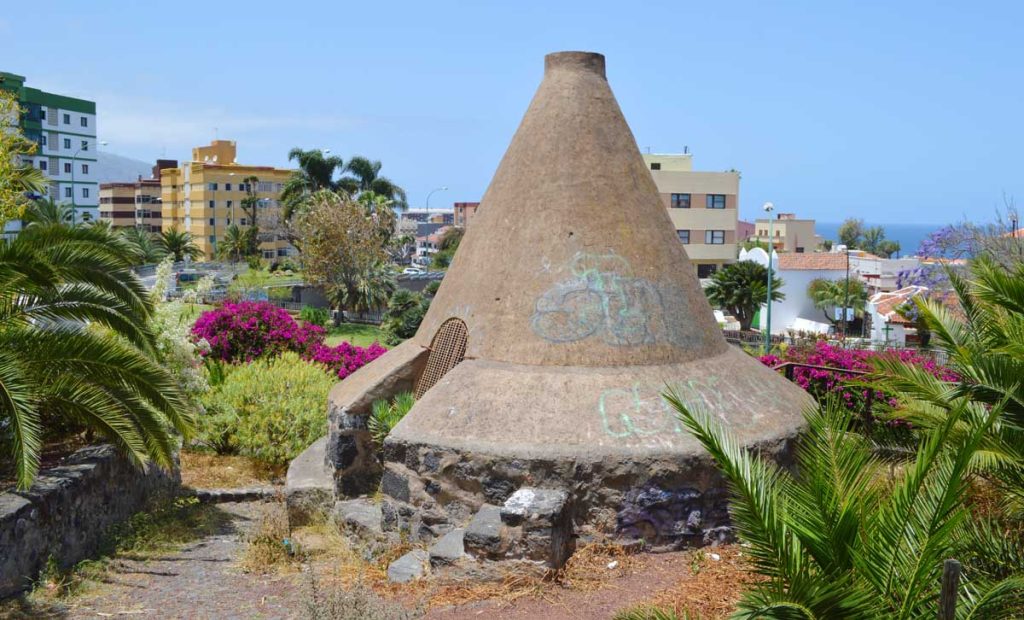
(666, 502)
(68, 511)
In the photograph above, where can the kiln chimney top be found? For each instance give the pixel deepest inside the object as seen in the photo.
(575, 61)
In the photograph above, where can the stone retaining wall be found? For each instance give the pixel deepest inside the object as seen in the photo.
(69, 509)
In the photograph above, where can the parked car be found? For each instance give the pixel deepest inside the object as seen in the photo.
(413, 271)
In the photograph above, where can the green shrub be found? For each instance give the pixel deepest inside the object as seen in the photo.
(431, 288)
(270, 409)
(316, 316)
(386, 415)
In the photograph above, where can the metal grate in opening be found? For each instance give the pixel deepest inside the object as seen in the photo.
(447, 349)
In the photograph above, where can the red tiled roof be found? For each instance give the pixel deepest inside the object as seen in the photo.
(818, 261)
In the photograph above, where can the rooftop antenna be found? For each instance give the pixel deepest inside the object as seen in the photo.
(648, 149)
(686, 150)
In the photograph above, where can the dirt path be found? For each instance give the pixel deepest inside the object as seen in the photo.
(203, 580)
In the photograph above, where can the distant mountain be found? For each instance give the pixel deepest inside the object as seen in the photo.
(116, 169)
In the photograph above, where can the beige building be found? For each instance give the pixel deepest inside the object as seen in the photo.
(464, 212)
(704, 207)
(135, 203)
(789, 234)
(204, 197)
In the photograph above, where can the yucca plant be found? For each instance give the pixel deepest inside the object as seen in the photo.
(385, 415)
(839, 539)
(75, 346)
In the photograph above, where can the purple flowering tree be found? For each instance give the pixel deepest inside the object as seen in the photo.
(246, 330)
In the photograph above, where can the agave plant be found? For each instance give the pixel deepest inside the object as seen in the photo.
(840, 540)
(386, 415)
(75, 346)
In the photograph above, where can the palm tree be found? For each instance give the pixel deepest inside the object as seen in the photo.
(365, 177)
(984, 347)
(178, 244)
(146, 248)
(839, 540)
(369, 291)
(46, 211)
(237, 243)
(316, 171)
(75, 346)
(740, 289)
(829, 295)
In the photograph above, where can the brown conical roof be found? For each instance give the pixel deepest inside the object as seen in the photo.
(572, 259)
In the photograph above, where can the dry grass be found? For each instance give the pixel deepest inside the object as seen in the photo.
(270, 547)
(710, 589)
(202, 470)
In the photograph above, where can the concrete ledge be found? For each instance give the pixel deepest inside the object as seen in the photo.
(309, 487)
(69, 509)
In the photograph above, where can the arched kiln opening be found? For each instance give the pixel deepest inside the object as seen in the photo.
(447, 349)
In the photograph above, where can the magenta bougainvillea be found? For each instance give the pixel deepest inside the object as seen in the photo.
(345, 358)
(243, 331)
(247, 330)
(824, 383)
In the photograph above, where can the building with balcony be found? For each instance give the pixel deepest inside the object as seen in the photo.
(204, 196)
(135, 203)
(703, 206)
(789, 234)
(64, 128)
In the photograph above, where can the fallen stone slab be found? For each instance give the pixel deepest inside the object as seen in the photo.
(536, 505)
(360, 516)
(449, 549)
(412, 565)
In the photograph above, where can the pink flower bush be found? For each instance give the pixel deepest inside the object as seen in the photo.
(822, 383)
(345, 358)
(246, 330)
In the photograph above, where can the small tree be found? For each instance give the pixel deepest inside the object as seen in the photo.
(16, 178)
(851, 232)
(828, 295)
(342, 249)
(741, 288)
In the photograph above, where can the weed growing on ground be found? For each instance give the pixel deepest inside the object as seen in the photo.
(271, 547)
(352, 602)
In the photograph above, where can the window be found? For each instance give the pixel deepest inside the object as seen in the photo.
(42, 140)
(706, 271)
(243, 221)
(227, 222)
(85, 168)
(67, 119)
(42, 165)
(656, 166)
(227, 187)
(227, 203)
(716, 201)
(684, 235)
(268, 254)
(67, 143)
(714, 237)
(213, 240)
(67, 167)
(680, 201)
(213, 221)
(42, 114)
(85, 192)
(799, 250)
(212, 186)
(67, 192)
(85, 145)
(85, 121)
(213, 204)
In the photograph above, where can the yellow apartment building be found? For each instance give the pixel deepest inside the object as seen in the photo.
(789, 234)
(204, 197)
(703, 206)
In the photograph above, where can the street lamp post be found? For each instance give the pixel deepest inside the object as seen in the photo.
(768, 208)
(74, 160)
(846, 300)
(439, 189)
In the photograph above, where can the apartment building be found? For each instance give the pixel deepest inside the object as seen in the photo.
(135, 203)
(703, 206)
(464, 212)
(64, 128)
(204, 197)
(789, 234)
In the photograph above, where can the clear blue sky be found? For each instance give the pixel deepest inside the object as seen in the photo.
(892, 111)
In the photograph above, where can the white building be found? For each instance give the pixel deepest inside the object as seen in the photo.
(888, 326)
(797, 271)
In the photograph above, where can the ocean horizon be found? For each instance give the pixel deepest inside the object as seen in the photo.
(909, 236)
